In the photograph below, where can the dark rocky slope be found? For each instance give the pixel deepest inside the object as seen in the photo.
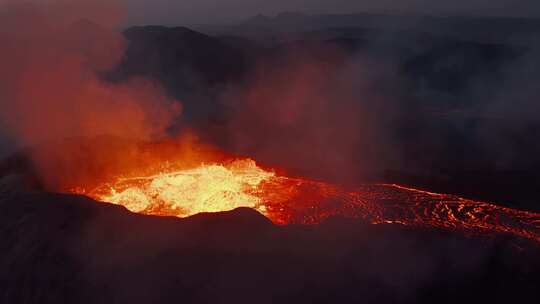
(69, 249)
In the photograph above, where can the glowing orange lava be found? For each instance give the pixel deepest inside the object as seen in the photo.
(287, 200)
(208, 188)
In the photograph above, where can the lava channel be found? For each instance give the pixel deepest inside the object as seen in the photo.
(291, 200)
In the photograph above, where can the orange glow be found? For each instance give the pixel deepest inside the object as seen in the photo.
(226, 185)
(208, 188)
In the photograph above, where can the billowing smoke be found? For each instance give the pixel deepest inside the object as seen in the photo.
(315, 111)
(54, 57)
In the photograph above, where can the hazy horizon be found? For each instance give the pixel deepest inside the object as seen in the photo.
(171, 12)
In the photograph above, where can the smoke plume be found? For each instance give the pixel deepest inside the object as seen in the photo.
(54, 55)
(315, 112)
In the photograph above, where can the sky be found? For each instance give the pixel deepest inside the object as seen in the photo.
(179, 12)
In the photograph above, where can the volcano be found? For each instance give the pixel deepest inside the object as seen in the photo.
(259, 163)
(172, 221)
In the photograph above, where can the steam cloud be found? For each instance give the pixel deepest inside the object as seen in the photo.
(53, 55)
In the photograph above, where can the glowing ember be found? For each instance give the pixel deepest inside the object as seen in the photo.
(287, 200)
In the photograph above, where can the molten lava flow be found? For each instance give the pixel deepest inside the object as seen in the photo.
(288, 200)
(208, 188)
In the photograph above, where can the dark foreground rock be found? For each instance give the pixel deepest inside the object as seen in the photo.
(59, 248)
